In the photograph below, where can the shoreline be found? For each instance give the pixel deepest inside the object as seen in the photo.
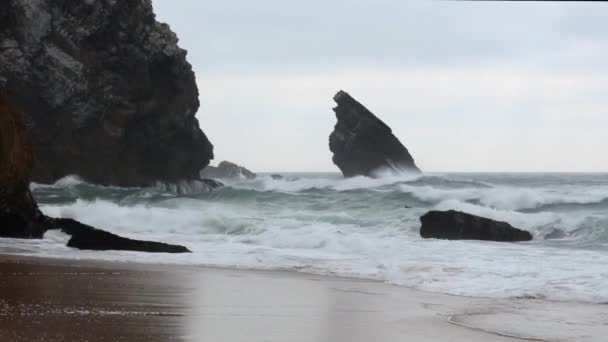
(43, 299)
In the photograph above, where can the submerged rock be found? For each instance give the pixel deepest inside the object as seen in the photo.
(455, 225)
(227, 170)
(108, 93)
(19, 213)
(89, 238)
(362, 144)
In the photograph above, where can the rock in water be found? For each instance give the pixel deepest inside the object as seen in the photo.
(107, 92)
(227, 170)
(455, 225)
(19, 214)
(87, 237)
(362, 144)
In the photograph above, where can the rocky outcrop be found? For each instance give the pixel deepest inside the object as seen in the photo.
(108, 93)
(227, 170)
(89, 238)
(455, 225)
(362, 144)
(19, 214)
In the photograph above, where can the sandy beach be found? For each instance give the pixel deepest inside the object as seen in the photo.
(63, 300)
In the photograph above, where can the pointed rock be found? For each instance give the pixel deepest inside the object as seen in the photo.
(362, 144)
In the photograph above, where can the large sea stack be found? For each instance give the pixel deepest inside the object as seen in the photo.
(107, 92)
(362, 144)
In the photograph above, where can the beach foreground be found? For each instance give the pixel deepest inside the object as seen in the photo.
(63, 300)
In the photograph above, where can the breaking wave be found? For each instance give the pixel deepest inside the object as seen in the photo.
(361, 227)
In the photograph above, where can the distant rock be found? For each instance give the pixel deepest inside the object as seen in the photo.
(276, 177)
(362, 143)
(211, 183)
(19, 213)
(455, 225)
(108, 93)
(227, 170)
(89, 238)
(189, 187)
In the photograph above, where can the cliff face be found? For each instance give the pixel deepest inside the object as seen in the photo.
(19, 214)
(363, 144)
(108, 93)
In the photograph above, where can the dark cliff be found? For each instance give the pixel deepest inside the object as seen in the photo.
(362, 143)
(108, 93)
(19, 214)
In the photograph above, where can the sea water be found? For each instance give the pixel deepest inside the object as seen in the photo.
(359, 227)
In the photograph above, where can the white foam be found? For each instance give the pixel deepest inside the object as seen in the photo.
(350, 232)
(290, 185)
(228, 235)
(511, 198)
(65, 182)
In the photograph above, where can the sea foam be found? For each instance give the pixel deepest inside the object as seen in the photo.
(359, 227)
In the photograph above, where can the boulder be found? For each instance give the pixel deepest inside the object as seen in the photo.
(455, 225)
(19, 214)
(89, 238)
(227, 170)
(108, 93)
(362, 144)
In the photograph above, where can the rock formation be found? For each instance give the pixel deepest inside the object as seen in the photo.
(455, 225)
(19, 213)
(108, 93)
(87, 237)
(362, 144)
(227, 170)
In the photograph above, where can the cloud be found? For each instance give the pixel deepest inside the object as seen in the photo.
(499, 118)
(468, 86)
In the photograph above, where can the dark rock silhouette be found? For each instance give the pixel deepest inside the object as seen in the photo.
(89, 238)
(455, 225)
(19, 213)
(108, 94)
(227, 170)
(362, 144)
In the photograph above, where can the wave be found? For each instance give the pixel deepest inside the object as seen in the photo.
(372, 243)
(511, 198)
(359, 227)
(65, 182)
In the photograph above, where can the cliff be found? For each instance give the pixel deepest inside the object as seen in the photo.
(108, 93)
(362, 144)
(19, 214)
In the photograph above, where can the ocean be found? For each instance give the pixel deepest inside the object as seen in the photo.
(365, 228)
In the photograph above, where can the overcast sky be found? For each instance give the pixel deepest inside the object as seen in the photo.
(466, 86)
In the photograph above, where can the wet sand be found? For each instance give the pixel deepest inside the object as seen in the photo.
(62, 300)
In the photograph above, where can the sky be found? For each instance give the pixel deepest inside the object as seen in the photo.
(466, 86)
